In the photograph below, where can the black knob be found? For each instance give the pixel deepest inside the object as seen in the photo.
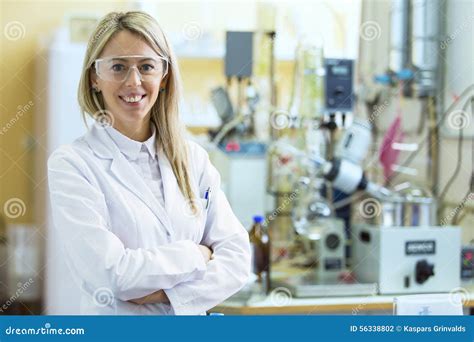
(332, 241)
(339, 91)
(423, 270)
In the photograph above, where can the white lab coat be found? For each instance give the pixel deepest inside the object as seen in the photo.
(121, 244)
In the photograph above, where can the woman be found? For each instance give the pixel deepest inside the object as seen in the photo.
(145, 226)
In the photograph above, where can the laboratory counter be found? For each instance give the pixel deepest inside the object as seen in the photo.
(363, 305)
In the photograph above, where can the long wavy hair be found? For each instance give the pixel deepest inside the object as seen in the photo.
(164, 113)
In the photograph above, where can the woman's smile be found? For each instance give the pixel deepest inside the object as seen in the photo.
(132, 100)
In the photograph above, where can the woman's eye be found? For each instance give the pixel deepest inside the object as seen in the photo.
(147, 67)
(118, 67)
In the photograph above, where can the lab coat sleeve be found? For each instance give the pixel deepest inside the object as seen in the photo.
(229, 269)
(96, 255)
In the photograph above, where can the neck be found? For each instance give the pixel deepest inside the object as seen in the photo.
(141, 131)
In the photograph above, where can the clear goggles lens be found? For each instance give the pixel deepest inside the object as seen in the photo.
(118, 68)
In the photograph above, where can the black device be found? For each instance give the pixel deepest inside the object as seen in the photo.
(467, 262)
(221, 101)
(339, 79)
(238, 54)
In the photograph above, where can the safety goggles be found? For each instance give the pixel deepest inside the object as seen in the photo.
(117, 68)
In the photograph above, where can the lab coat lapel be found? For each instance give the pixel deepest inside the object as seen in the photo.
(170, 184)
(122, 169)
(104, 146)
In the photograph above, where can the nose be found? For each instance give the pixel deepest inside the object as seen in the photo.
(133, 77)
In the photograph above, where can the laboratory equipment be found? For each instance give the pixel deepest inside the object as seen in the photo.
(260, 248)
(409, 208)
(344, 175)
(427, 28)
(416, 49)
(221, 101)
(339, 85)
(339, 102)
(407, 259)
(399, 36)
(322, 233)
(238, 121)
(344, 171)
(355, 142)
(324, 240)
(440, 304)
(243, 171)
(238, 54)
(307, 97)
(467, 263)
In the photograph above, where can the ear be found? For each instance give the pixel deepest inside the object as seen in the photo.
(164, 82)
(93, 78)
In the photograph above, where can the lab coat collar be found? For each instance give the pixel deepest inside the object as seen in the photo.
(104, 147)
(131, 148)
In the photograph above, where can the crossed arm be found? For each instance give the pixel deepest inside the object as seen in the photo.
(160, 295)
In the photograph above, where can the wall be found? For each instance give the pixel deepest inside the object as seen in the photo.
(23, 23)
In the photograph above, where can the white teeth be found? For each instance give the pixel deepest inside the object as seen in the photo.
(133, 98)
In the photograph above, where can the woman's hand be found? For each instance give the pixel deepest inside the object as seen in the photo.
(206, 252)
(159, 297)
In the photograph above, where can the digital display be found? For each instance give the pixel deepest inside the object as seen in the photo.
(340, 70)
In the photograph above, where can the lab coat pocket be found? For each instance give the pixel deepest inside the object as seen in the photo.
(203, 207)
(201, 216)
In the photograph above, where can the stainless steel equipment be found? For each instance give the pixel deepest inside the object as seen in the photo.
(322, 234)
(326, 241)
(411, 208)
(408, 259)
(427, 28)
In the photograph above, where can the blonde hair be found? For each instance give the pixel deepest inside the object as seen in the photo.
(164, 113)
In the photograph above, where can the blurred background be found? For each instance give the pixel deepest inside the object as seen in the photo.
(343, 131)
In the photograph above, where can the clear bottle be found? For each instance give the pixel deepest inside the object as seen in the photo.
(308, 84)
(260, 245)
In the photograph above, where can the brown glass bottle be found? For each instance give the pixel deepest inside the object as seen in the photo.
(260, 244)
